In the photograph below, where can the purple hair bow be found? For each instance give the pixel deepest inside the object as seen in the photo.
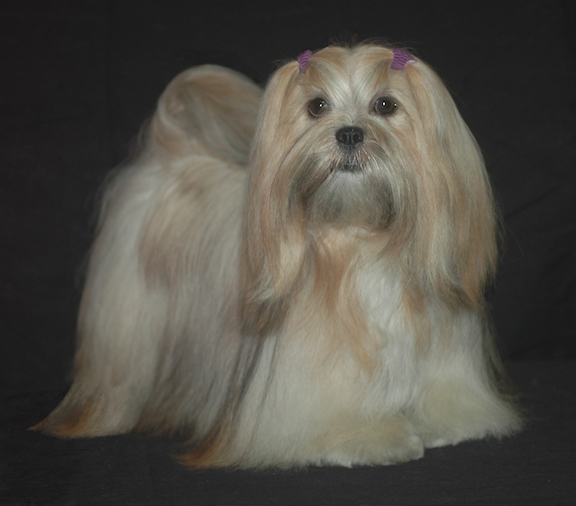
(303, 60)
(401, 59)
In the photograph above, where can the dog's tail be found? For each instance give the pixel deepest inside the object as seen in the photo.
(206, 109)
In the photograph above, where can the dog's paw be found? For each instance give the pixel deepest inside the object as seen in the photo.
(389, 442)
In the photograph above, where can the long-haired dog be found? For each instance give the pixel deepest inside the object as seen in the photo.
(295, 277)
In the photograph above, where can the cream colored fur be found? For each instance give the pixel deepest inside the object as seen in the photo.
(248, 290)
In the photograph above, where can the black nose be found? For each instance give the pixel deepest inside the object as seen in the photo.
(350, 136)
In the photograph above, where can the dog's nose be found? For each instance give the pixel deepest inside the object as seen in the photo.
(350, 136)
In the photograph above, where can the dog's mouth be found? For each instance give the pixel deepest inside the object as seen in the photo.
(349, 166)
(350, 163)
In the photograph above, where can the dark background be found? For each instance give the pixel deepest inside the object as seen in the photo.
(78, 78)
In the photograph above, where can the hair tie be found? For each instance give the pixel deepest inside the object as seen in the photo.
(303, 60)
(401, 59)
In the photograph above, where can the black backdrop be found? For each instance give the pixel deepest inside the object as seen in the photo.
(78, 78)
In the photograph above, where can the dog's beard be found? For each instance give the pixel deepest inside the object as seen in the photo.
(365, 186)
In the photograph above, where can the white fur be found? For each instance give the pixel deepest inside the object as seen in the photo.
(248, 289)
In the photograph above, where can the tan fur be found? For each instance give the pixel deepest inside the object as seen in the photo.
(247, 289)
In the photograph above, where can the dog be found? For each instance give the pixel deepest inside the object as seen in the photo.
(296, 276)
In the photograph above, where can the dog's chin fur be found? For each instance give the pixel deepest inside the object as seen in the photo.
(284, 300)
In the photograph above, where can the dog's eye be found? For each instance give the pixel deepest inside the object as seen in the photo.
(317, 107)
(385, 105)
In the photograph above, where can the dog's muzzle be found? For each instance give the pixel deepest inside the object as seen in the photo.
(349, 138)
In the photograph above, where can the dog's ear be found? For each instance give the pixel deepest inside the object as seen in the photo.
(453, 250)
(274, 230)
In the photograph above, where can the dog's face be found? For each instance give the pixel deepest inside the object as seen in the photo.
(352, 139)
(347, 137)
(353, 142)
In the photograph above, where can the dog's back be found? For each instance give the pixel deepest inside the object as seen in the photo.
(163, 266)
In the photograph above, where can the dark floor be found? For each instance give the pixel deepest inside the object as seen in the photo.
(537, 466)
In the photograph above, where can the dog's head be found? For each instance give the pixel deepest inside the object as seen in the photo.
(368, 139)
